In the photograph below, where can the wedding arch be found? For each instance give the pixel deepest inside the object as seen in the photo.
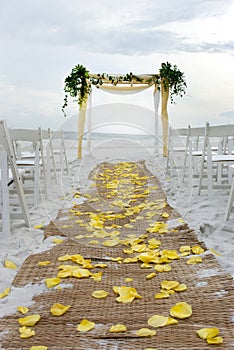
(169, 81)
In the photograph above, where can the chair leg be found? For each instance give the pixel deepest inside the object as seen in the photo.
(230, 201)
(5, 196)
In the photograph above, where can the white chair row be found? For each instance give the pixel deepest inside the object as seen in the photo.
(10, 175)
(207, 154)
(29, 161)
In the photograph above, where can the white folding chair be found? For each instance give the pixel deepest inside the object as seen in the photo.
(219, 161)
(33, 162)
(59, 149)
(177, 144)
(10, 175)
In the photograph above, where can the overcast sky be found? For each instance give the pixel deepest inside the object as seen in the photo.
(42, 40)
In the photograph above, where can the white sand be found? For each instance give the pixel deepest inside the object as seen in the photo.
(206, 217)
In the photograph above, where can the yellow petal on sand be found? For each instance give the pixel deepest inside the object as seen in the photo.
(57, 240)
(43, 263)
(118, 258)
(214, 252)
(169, 284)
(145, 332)
(194, 260)
(29, 320)
(181, 220)
(215, 340)
(10, 264)
(150, 275)
(205, 333)
(51, 282)
(162, 268)
(162, 295)
(97, 276)
(181, 310)
(5, 293)
(22, 309)
(172, 321)
(118, 328)
(102, 266)
(81, 273)
(93, 242)
(165, 215)
(128, 279)
(38, 347)
(185, 248)
(196, 249)
(26, 332)
(180, 288)
(38, 226)
(110, 243)
(130, 260)
(59, 309)
(99, 294)
(158, 321)
(85, 326)
(126, 294)
(64, 257)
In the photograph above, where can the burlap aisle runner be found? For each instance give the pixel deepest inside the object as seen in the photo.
(124, 234)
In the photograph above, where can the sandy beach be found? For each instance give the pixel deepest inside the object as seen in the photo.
(205, 216)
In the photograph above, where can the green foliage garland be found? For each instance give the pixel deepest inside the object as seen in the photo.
(78, 83)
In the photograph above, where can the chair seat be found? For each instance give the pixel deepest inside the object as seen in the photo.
(222, 158)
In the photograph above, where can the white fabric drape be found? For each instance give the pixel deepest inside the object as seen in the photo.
(123, 89)
(156, 106)
(118, 89)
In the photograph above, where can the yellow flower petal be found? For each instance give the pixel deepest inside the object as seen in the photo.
(181, 310)
(29, 320)
(57, 240)
(59, 309)
(205, 333)
(38, 226)
(162, 295)
(128, 279)
(99, 294)
(51, 282)
(145, 332)
(169, 284)
(180, 288)
(162, 268)
(97, 276)
(194, 260)
(215, 340)
(43, 263)
(10, 265)
(22, 309)
(5, 293)
(102, 266)
(126, 294)
(85, 326)
(110, 243)
(158, 321)
(38, 347)
(196, 249)
(26, 332)
(172, 321)
(94, 242)
(214, 252)
(118, 328)
(150, 275)
(81, 273)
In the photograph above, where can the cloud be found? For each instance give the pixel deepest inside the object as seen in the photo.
(126, 27)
